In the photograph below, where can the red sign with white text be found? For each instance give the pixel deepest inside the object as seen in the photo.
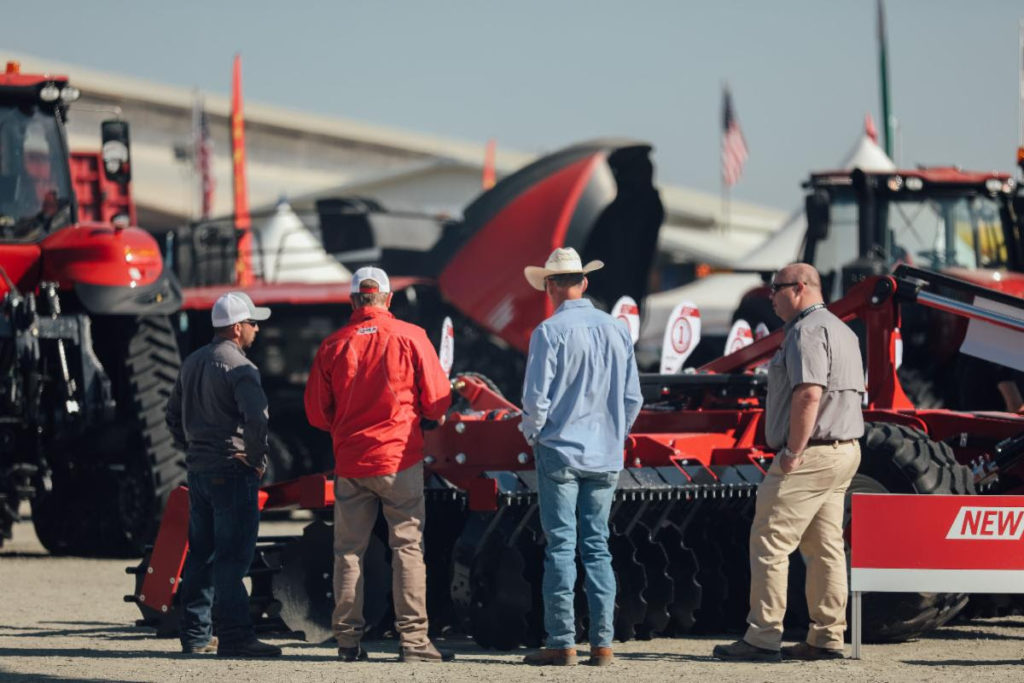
(937, 543)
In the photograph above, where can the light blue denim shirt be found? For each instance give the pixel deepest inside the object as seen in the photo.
(582, 392)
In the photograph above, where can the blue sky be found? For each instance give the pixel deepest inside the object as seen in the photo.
(540, 75)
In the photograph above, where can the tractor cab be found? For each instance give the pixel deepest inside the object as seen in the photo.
(866, 223)
(35, 182)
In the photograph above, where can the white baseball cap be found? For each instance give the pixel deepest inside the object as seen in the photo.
(236, 307)
(365, 279)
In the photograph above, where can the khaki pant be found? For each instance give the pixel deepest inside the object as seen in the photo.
(803, 510)
(355, 512)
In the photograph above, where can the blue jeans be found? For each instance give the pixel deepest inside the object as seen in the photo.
(569, 498)
(222, 526)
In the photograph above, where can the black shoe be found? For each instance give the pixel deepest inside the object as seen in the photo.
(209, 648)
(352, 654)
(427, 653)
(808, 652)
(742, 651)
(250, 648)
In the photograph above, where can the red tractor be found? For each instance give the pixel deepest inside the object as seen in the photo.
(966, 224)
(87, 354)
(683, 507)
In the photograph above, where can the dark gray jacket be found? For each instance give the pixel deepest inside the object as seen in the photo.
(218, 408)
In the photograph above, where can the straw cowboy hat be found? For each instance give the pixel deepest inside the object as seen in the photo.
(561, 262)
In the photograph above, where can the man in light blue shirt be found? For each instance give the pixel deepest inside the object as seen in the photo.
(580, 398)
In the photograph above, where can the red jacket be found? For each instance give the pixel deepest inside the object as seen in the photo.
(370, 384)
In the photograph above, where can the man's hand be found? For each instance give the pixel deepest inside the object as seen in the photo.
(259, 470)
(788, 460)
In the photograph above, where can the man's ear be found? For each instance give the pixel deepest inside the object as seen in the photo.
(388, 302)
(586, 281)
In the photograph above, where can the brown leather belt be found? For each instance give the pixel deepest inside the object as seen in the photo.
(835, 443)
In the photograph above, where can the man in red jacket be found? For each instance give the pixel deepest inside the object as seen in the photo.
(371, 383)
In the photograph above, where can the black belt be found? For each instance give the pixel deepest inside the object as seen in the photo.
(835, 443)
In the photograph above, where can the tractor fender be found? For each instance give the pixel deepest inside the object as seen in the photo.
(161, 297)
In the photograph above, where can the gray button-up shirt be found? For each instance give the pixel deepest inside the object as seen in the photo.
(821, 349)
(218, 408)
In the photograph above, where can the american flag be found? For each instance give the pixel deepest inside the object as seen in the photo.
(204, 161)
(734, 147)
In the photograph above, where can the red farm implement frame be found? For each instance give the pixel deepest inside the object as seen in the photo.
(682, 513)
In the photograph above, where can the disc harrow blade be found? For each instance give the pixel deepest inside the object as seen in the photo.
(687, 591)
(304, 584)
(702, 537)
(444, 521)
(660, 590)
(489, 588)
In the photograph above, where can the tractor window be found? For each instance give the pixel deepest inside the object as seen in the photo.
(954, 231)
(840, 246)
(35, 193)
(987, 226)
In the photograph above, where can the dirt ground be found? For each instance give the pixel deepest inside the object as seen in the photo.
(64, 619)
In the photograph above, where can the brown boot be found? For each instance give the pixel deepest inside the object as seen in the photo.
(549, 657)
(424, 653)
(600, 656)
(808, 652)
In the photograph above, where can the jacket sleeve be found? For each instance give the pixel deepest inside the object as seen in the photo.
(173, 416)
(318, 399)
(433, 387)
(540, 370)
(252, 405)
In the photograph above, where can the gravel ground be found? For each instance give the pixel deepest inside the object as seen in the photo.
(64, 619)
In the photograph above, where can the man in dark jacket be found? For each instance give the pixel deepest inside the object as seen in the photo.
(218, 415)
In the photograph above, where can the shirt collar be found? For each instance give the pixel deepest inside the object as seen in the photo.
(368, 312)
(575, 303)
(803, 314)
(218, 341)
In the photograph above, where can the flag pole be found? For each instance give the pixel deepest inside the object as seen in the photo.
(1020, 103)
(193, 178)
(721, 160)
(726, 206)
(883, 67)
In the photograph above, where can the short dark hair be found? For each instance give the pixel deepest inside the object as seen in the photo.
(566, 280)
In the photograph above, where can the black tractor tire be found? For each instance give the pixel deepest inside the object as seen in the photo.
(107, 489)
(900, 459)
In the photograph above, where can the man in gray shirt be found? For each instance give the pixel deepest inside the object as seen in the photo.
(813, 417)
(218, 415)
